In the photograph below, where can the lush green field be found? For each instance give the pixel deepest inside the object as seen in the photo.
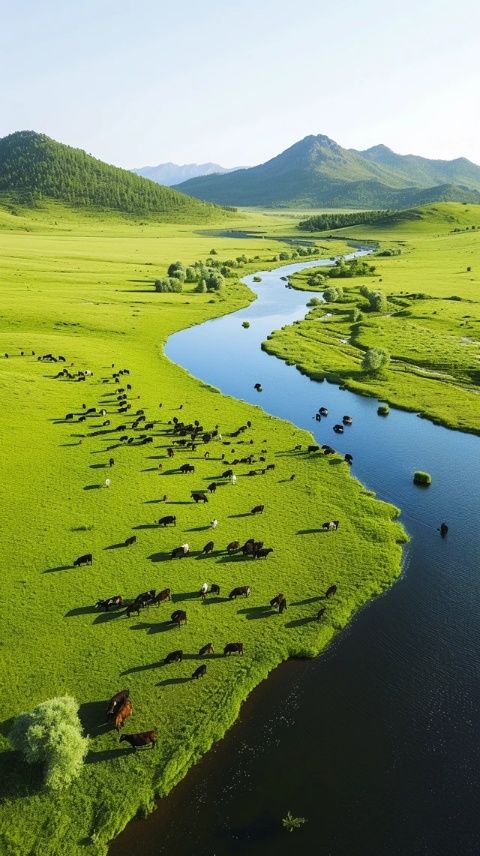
(434, 341)
(84, 289)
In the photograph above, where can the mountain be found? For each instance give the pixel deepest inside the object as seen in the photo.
(33, 167)
(173, 173)
(318, 173)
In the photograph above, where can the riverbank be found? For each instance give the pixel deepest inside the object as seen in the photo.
(430, 327)
(98, 308)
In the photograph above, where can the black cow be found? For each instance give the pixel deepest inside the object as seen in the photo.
(200, 672)
(214, 589)
(331, 591)
(239, 591)
(348, 458)
(206, 649)
(212, 487)
(145, 598)
(110, 602)
(87, 559)
(179, 617)
(208, 548)
(262, 552)
(173, 657)
(233, 648)
(179, 553)
(313, 448)
(168, 520)
(132, 539)
(443, 529)
(258, 509)
(132, 609)
(162, 596)
(187, 468)
(199, 497)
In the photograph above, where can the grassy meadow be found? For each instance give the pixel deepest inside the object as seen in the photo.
(431, 328)
(83, 287)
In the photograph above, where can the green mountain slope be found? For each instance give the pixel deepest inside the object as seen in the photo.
(317, 172)
(423, 171)
(35, 167)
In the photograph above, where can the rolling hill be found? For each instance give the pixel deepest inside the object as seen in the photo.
(317, 172)
(173, 173)
(34, 167)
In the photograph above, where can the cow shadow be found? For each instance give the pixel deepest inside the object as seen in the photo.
(107, 755)
(146, 526)
(159, 557)
(311, 531)
(58, 568)
(92, 486)
(301, 622)
(214, 600)
(160, 627)
(109, 615)
(244, 514)
(198, 528)
(152, 501)
(80, 610)
(253, 612)
(143, 667)
(93, 716)
(151, 470)
(98, 466)
(307, 600)
(215, 554)
(172, 681)
(185, 595)
(116, 546)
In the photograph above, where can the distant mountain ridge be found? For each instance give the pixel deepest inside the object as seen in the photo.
(34, 167)
(173, 173)
(318, 172)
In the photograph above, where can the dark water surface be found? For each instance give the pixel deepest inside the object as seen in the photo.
(376, 742)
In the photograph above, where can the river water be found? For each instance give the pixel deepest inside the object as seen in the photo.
(376, 742)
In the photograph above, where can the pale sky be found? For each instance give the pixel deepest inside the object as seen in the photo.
(138, 82)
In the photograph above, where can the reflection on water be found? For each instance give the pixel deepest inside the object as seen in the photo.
(377, 742)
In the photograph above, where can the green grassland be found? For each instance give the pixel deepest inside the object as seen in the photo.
(434, 341)
(83, 288)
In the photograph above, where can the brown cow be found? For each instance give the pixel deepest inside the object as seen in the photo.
(123, 714)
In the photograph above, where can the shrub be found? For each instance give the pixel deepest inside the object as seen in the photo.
(257, 278)
(173, 267)
(283, 257)
(314, 301)
(168, 284)
(190, 275)
(291, 822)
(246, 324)
(51, 734)
(201, 287)
(422, 478)
(374, 360)
(383, 410)
(356, 315)
(330, 294)
(213, 252)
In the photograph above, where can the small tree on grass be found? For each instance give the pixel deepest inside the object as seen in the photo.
(374, 360)
(51, 734)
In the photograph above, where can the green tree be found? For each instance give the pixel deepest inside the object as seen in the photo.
(330, 294)
(51, 734)
(374, 360)
(290, 822)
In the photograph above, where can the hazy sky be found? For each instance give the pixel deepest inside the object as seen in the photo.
(138, 82)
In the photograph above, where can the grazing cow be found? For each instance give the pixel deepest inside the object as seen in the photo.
(282, 605)
(233, 648)
(199, 497)
(239, 591)
(179, 617)
(87, 559)
(233, 546)
(170, 453)
(206, 649)
(339, 429)
(142, 738)
(107, 422)
(212, 487)
(258, 509)
(227, 474)
(180, 552)
(348, 458)
(214, 589)
(131, 540)
(173, 657)
(200, 672)
(262, 552)
(208, 548)
(116, 702)
(270, 466)
(90, 411)
(331, 591)
(110, 602)
(107, 482)
(275, 601)
(162, 596)
(111, 462)
(214, 523)
(203, 591)
(443, 530)
(125, 711)
(168, 520)
(69, 416)
(313, 448)
(321, 613)
(328, 450)
(331, 525)
(187, 468)
(132, 609)
(145, 598)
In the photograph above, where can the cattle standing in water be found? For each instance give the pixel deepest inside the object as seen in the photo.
(200, 672)
(239, 591)
(347, 420)
(323, 411)
(143, 738)
(125, 711)
(110, 602)
(331, 591)
(116, 702)
(179, 617)
(443, 530)
(331, 525)
(173, 657)
(206, 649)
(87, 559)
(168, 520)
(132, 539)
(349, 458)
(233, 648)
(339, 429)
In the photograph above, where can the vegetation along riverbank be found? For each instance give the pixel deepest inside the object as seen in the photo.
(420, 305)
(82, 287)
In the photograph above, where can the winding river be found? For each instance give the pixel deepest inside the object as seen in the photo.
(376, 742)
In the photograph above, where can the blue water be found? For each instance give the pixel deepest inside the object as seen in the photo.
(377, 742)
